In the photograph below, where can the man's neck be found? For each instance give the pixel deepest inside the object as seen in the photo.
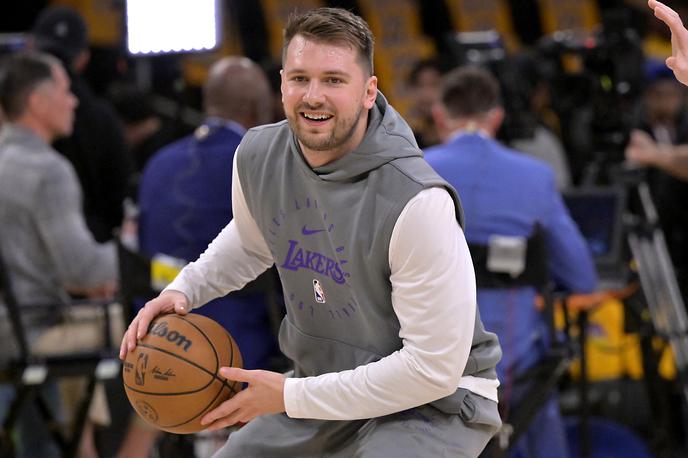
(36, 128)
(468, 126)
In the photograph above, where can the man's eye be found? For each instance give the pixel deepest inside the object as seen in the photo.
(334, 80)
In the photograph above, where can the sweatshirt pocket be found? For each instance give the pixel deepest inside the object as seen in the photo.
(476, 409)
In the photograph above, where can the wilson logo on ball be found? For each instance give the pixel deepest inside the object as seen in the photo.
(160, 329)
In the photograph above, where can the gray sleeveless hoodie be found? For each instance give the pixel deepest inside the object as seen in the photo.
(329, 231)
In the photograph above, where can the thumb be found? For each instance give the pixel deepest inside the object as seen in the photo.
(181, 307)
(670, 62)
(236, 374)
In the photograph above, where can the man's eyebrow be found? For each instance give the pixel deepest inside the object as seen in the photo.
(326, 73)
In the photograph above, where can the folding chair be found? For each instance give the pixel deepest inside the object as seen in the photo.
(28, 372)
(134, 278)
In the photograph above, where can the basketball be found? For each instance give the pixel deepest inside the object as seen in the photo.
(172, 376)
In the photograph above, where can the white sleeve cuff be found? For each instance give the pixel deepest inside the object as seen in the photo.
(292, 388)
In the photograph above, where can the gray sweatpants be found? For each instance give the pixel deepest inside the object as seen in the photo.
(423, 431)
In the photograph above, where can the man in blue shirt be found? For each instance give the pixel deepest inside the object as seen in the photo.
(507, 193)
(185, 195)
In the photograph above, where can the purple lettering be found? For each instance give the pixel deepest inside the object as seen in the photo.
(338, 275)
(311, 260)
(329, 268)
(288, 261)
(319, 267)
(310, 257)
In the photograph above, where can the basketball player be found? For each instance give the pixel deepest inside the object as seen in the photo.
(678, 61)
(381, 324)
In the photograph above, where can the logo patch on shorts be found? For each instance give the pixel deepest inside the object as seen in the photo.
(319, 292)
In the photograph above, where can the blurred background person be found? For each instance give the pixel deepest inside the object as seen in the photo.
(185, 201)
(185, 197)
(424, 86)
(661, 144)
(43, 226)
(145, 130)
(538, 138)
(96, 145)
(505, 193)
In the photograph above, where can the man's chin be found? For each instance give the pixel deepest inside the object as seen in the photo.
(316, 145)
(63, 134)
(315, 141)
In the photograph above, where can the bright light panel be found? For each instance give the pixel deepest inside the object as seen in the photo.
(169, 26)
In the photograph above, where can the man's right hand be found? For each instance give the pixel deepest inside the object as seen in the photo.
(678, 62)
(166, 302)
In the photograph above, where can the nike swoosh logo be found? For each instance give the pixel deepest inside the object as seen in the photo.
(306, 231)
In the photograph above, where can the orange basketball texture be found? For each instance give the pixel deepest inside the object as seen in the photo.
(172, 376)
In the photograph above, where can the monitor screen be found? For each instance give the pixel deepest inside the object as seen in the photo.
(598, 212)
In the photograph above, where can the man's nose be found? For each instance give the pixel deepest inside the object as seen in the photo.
(314, 95)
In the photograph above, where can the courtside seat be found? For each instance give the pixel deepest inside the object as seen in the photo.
(28, 367)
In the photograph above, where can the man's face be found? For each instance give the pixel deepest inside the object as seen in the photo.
(326, 96)
(663, 101)
(426, 91)
(56, 104)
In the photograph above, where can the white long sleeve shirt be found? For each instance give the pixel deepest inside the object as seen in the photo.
(433, 295)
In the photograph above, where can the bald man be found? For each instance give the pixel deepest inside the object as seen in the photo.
(238, 90)
(185, 198)
(185, 192)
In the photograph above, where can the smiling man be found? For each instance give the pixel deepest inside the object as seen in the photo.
(381, 322)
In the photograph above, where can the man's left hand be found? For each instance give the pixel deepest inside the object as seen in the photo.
(263, 395)
(643, 150)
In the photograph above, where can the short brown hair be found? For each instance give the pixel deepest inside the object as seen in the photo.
(469, 91)
(20, 75)
(332, 25)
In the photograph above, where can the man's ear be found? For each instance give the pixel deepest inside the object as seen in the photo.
(441, 119)
(35, 102)
(371, 93)
(495, 118)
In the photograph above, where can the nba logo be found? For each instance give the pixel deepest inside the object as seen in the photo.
(318, 291)
(140, 374)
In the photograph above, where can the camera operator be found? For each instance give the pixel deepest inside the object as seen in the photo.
(673, 159)
(644, 150)
(661, 144)
(663, 141)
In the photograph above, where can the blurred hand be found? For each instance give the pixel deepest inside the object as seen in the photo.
(166, 302)
(642, 149)
(105, 291)
(678, 62)
(263, 395)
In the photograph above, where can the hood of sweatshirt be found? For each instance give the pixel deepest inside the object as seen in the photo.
(387, 138)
